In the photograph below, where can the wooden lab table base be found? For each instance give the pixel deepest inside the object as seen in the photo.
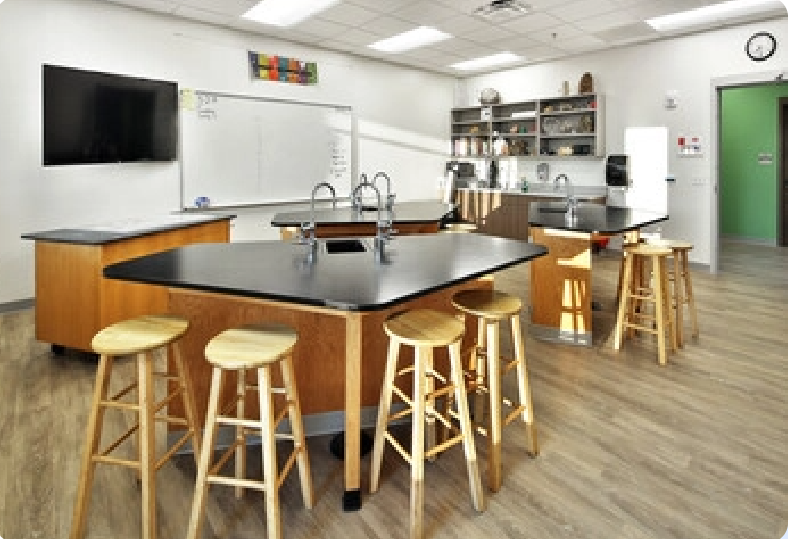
(561, 287)
(339, 360)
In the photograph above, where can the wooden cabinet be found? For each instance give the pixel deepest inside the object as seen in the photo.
(73, 299)
(560, 127)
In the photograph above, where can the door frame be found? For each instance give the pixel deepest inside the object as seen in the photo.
(782, 176)
(717, 86)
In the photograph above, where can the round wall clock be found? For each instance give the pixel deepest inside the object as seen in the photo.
(760, 46)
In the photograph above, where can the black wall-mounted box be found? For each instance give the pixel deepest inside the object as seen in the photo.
(617, 171)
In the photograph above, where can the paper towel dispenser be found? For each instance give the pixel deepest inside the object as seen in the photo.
(617, 171)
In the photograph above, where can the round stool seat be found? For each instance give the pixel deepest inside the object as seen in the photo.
(646, 249)
(490, 304)
(139, 334)
(670, 244)
(252, 346)
(424, 327)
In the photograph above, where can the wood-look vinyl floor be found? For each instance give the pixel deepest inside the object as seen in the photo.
(697, 449)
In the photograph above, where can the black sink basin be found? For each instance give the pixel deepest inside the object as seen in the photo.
(345, 246)
(553, 210)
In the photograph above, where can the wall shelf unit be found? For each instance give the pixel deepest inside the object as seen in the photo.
(560, 127)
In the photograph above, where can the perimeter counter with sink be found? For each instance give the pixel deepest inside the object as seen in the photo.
(504, 212)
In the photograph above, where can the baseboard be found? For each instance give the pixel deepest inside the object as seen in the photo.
(748, 240)
(18, 305)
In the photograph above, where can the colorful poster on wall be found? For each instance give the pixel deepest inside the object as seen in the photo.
(282, 69)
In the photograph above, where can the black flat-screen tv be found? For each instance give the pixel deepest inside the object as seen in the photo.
(92, 117)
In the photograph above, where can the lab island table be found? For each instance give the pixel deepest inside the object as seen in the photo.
(74, 301)
(336, 301)
(561, 281)
(416, 217)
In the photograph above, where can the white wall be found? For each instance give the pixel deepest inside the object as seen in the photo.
(635, 81)
(399, 132)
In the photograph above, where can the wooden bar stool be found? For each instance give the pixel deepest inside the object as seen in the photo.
(682, 285)
(252, 347)
(635, 296)
(424, 330)
(141, 337)
(491, 308)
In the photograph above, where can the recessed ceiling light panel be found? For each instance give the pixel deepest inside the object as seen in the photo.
(412, 39)
(286, 12)
(715, 13)
(501, 58)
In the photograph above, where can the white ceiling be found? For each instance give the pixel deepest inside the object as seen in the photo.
(553, 29)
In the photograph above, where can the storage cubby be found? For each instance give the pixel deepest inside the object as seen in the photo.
(565, 127)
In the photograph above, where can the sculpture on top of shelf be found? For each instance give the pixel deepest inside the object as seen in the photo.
(489, 96)
(586, 85)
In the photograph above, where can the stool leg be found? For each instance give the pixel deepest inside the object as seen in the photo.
(297, 427)
(659, 304)
(494, 385)
(678, 299)
(189, 405)
(622, 304)
(270, 468)
(466, 427)
(92, 440)
(240, 437)
(417, 446)
(431, 433)
(685, 269)
(523, 386)
(670, 318)
(481, 347)
(383, 414)
(147, 444)
(201, 485)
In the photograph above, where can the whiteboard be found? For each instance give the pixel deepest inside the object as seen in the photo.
(241, 150)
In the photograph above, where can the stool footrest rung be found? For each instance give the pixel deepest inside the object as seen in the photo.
(511, 416)
(120, 405)
(103, 459)
(402, 413)
(213, 471)
(235, 482)
(435, 374)
(444, 446)
(166, 376)
(166, 400)
(122, 438)
(281, 415)
(248, 423)
(396, 445)
(125, 391)
(288, 465)
(175, 447)
(401, 394)
(641, 328)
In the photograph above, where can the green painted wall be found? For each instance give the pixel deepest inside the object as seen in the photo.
(748, 190)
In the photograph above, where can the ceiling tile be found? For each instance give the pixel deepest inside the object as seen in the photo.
(575, 11)
(348, 14)
(319, 27)
(533, 21)
(387, 26)
(425, 13)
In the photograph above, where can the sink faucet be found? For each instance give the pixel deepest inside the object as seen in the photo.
(571, 199)
(389, 195)
(308, 229)
(383, 226)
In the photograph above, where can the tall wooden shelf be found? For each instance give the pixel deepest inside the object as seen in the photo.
(554, 127)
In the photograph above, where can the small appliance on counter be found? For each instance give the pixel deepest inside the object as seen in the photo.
(617, 171)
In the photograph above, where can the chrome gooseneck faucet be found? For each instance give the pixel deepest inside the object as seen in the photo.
(383, 225)
(571, 199)
(308, 229)
(389, 195)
